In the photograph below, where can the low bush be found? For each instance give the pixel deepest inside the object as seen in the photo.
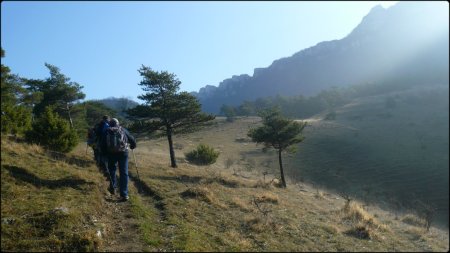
(53, 132)
(202, 155)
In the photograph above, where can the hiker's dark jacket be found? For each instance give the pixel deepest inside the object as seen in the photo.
(100, 131)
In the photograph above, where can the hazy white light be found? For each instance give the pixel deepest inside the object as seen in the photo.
(385, 4)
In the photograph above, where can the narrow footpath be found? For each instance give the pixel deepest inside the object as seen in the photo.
(121, 230)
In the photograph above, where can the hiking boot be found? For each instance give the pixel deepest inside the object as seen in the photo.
(125, 198)
(111, 190)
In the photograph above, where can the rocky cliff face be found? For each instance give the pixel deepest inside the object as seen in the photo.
(392, 43)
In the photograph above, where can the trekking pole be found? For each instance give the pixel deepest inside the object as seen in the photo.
(86, 147)
(135, 163)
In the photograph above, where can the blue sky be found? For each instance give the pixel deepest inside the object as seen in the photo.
(101, 45)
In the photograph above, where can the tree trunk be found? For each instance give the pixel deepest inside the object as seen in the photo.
(283, 181)
(70, 117)
(173, 163)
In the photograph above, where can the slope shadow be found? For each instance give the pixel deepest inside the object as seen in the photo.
(25, 176)
(181, 179)
(145, 190)
(70, 160)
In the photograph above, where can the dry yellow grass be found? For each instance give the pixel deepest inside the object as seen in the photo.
(235, 237)
(242, 205)
(319, 194)
(412, 219)
(415, 233)
(203, 193)
(268, 197)
(355, 213)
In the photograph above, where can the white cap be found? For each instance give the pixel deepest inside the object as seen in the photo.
(114, 122)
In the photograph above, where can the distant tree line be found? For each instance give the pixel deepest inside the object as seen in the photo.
(303, 107)
(294, 106)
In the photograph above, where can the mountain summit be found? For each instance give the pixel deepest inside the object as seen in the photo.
(406, 42)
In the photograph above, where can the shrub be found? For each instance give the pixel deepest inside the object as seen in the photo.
(203, 155)
(15, 119)
(52, 132)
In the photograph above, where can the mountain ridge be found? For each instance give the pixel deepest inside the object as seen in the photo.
(372, 52)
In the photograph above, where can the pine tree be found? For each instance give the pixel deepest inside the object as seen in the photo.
(165, 109)
(279, 133)
(15, 114)
(57, 91)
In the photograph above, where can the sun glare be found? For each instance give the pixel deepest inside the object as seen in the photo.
(386, 4)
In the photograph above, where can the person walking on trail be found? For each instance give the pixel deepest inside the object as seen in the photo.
(116, 142)
(100, 131)
(92, 142)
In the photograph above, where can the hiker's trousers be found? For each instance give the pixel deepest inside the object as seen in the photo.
(122, 159)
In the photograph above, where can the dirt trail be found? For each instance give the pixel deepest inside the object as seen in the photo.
(121, 230)
(152, 199)
(121, 233)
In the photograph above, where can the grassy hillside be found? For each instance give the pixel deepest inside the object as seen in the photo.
(213, 207)
(389, 149)
(228, 206)
(48, 200)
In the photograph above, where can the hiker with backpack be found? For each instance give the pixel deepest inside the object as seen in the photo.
(92, 142)
(100, 130)
(116, 142)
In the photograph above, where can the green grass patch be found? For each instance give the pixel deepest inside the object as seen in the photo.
(147, 217)
(44, 203)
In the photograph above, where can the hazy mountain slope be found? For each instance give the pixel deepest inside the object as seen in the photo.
(391, 149)
(119, 104)
(407, 38)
